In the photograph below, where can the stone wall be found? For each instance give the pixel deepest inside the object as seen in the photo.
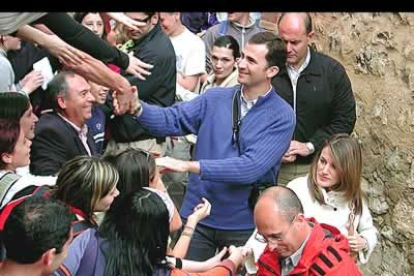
(377, 50)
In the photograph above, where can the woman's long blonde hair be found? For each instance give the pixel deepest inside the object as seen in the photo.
(347, 158)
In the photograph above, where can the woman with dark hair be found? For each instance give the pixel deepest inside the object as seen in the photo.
(133, 240)
(87, 184)
(224, 56)
(93, 21)
(137, 170)
(14, 153)
(17, 107)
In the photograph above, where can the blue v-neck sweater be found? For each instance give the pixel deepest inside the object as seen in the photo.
(226, 177)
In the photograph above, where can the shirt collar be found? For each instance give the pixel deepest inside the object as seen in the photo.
(295, 257)
(304, 64)
(253, 101)
(83, 130)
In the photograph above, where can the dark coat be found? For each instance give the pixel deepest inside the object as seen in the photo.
(55, 142)
(325, 103)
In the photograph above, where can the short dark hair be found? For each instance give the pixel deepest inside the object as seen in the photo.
(9, 134)
(277, 53)
(35, 226)
(13, 105)
(57, 86)
(307, 21)
(229, 42)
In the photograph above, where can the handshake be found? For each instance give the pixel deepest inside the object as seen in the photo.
(127, 102)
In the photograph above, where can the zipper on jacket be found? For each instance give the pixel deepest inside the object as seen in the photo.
(268, 268)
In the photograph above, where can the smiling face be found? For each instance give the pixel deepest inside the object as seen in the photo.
(99, 92)
(77, 104)
(252, 65)
(20, 156)
(28, 122)
(326, 173)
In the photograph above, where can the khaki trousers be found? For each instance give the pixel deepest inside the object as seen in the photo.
(290, 171)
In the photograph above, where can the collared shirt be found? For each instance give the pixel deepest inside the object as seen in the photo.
(246, 104)
(82, 132)
(289, 263)
(294, 75)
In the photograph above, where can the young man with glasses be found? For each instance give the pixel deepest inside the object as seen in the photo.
(222, 171)
(296, 245)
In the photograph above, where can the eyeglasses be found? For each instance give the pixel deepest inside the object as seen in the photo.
(274, 238)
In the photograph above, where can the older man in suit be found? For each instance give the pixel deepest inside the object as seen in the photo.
(63, 134)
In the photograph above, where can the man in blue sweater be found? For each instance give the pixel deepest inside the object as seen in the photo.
(228, 161)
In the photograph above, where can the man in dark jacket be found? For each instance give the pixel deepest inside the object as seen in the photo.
(151, 45)
(318, 89)
(63, 134)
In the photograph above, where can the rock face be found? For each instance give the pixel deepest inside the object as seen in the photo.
(377, 50)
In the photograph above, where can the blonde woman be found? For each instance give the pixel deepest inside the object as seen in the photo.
(87, 185)
(332, 193)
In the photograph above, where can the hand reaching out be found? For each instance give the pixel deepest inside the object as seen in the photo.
(201, 211)
(169, 164)
(137, 67)
(32, 81)
(120, 17)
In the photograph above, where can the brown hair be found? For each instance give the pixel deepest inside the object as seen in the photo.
(347, 158)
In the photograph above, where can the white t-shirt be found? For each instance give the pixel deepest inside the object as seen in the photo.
(190, 52)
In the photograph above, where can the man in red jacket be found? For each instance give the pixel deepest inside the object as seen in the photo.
(295, 245)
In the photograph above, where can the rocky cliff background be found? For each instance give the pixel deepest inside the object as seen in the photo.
(377, 50)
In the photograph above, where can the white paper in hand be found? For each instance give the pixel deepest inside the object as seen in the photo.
(45, 68)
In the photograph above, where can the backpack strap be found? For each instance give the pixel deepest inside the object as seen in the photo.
(6, 183)
(78, 226)
(236, 121)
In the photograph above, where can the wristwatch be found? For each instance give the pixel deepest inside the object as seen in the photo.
(310, 147)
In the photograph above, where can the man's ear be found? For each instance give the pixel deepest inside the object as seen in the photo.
(48, 256)
(61, 101)
(154, 18)
(310, 35)
(272, 71)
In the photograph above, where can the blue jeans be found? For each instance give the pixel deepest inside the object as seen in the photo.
(206, 241)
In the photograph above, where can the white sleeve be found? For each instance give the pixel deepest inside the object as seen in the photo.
(196, 63)
(367, 230)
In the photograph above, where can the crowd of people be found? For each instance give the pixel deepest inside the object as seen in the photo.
(255, 128)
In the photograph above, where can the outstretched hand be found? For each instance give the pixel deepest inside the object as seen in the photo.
(201, 211)
(120, 17)
(169, 164)
(137, 67)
